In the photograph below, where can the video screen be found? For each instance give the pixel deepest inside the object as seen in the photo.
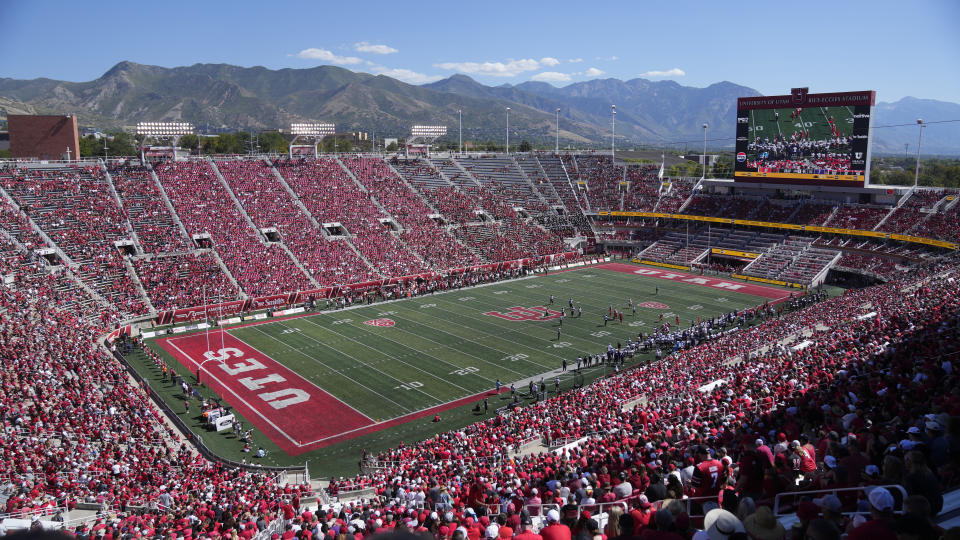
(816, 138)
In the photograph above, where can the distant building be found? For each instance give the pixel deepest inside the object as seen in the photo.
(52, 137)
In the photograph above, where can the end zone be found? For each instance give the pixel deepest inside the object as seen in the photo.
(293, 412)
(772, 293)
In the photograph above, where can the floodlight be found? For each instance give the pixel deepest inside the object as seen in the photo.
(428, 131)
(313, 129)
(164, 129)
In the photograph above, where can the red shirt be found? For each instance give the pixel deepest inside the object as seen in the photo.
(706, 478)
(556, 531)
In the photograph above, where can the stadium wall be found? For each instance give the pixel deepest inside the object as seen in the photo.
(44, 137)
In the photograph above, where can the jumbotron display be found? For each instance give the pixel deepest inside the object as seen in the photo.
(804, 138)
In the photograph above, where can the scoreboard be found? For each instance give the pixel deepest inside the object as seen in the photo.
(803, 138)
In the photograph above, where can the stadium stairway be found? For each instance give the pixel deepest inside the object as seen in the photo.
(116, 197)
(249, 220)
(171, 210)
(410, 186)
(144, 297)
(36, 228)
(293, 195)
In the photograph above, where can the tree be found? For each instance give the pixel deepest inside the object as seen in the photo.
(524, 146)
(190, 142)
(393, 146)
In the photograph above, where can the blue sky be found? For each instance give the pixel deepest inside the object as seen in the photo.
(897, 48)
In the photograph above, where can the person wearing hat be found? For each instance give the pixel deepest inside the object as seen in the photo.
(719, 524)
(526, 532)
(880, 525)
(832, 510)
(641, 514)
(555, 530)
(761, 525)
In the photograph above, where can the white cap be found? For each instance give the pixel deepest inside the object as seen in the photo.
(553, 515)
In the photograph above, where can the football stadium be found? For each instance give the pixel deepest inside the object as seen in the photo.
(453, 344)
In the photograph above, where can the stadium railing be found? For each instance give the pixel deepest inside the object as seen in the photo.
(792, 496)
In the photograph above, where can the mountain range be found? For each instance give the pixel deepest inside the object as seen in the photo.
(226, 97)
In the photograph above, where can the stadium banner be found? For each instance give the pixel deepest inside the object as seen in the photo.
(274, 301)
(269, 302)
(770, 281)
(313, 294)
(200, 312)
(637, 214)
(804, 138)
(703, 218)
(768, 224)
(921, 240)
(664, 265)
(734, 253)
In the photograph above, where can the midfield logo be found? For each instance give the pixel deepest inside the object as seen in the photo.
(518, 313)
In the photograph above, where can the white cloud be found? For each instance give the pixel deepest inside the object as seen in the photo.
(550, 76)
(366, 47)
(548, 61)
(511, 68)
(575, 60)
(675, 72)
(327, 56)
(594, 72)
(608, 58)
(406, 75)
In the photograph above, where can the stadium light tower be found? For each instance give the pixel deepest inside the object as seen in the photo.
(508, 131)
(163, 130)
(460, 119)
(613, 130)
(704, 150)
(557, 150)
(314, 131)
(916, 173)
(427, 133)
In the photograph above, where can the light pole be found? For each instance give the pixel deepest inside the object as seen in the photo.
(916, 174)
(508, 131)
(557, 150)
(460, 117)
(704, 150)
(906, 148)
(613, 130)
(104, 149)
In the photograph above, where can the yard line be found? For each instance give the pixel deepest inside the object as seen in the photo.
(397, 359)
(498, 366)
(298, 375)
(317, 360)
(311, 338)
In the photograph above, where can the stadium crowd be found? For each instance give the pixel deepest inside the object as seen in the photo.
(854, 391)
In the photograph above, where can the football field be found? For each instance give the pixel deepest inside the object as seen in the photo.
(319, 379)
(764, 123)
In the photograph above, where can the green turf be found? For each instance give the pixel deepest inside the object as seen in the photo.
(436, 338)
(763, 122)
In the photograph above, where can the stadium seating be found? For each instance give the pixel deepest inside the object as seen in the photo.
(151, 221)
(75, 208)
(331, 195)
(421, 234)
(184, 281)
(269, 205)
(848, 377)
(205, 206)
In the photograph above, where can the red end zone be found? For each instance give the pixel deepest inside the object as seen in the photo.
(296, 414)
(696, 279)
